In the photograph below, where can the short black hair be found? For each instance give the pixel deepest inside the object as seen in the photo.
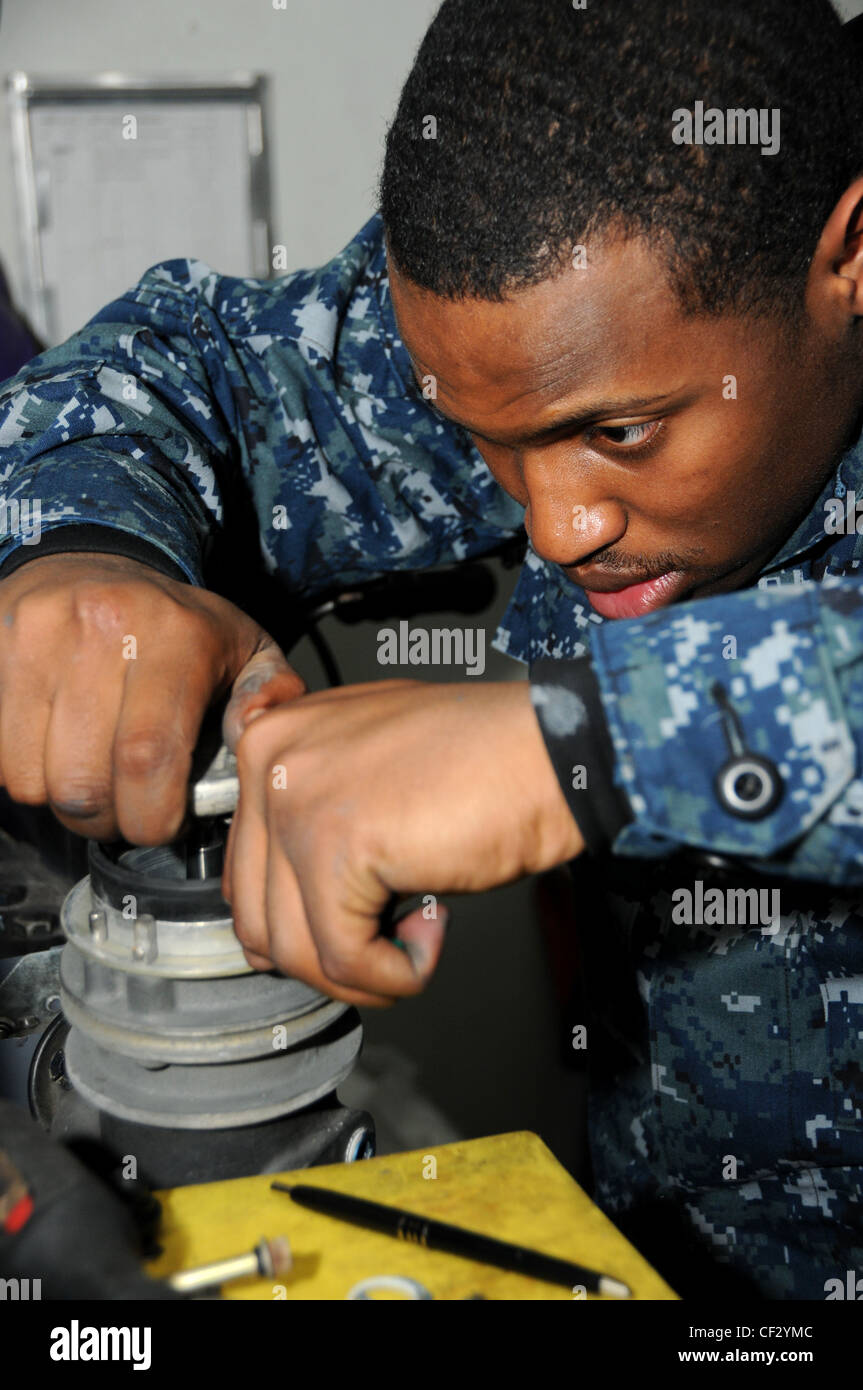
(554, 125)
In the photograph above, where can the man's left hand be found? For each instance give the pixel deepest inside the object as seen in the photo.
(395, 787)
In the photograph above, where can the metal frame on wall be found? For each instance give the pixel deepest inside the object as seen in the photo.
(28, 94)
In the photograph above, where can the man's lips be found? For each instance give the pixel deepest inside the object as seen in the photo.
(634, 600)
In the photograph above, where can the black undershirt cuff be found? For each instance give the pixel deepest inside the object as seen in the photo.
(568, 704)
(107, 540)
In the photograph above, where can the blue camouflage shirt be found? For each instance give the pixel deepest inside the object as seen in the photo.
(195, 394)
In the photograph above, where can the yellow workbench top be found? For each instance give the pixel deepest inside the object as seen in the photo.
(508, 1185)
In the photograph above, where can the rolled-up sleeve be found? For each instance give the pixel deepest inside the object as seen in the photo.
(770, 677)
(276, 420)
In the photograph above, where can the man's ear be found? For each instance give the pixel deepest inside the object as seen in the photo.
(836, 274)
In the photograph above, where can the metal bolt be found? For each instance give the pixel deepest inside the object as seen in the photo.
(145, 943)
(98, 925)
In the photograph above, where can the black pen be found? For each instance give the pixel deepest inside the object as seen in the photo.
(452, 1240)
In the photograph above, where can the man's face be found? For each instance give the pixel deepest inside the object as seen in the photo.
(657, 456)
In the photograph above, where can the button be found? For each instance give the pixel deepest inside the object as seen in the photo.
(749, 786)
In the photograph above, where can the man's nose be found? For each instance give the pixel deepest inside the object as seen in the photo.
(568, 521)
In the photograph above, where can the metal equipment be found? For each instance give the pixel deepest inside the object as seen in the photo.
(195, 1064)
(170, 1050)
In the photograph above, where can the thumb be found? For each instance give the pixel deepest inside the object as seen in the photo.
(422, 938)
(266, 680)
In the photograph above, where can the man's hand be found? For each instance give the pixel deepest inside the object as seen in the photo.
(106, 671)
(394, 787)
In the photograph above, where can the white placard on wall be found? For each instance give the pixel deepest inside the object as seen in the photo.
(117, 173)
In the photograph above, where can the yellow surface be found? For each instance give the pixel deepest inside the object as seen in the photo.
(509, 1186)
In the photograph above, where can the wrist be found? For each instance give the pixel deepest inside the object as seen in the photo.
(552, 834)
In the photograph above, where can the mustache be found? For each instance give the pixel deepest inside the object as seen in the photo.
(646, 566)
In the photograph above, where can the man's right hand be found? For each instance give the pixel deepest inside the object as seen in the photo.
(107, 669)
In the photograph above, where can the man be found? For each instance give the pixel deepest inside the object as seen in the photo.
(615, 295)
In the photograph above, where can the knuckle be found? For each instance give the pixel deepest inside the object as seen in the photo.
(144, 752)
(26, 788)
(254, 945)
(346, 996)
(249, 936)
(89, 827)
(337, 964)
(254, 746)
(75, 797)
(257, 961)
(100, 607)
(33, 612)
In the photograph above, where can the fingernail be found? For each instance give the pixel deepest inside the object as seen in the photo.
(415, 954)
(417, 957)
(256, 681)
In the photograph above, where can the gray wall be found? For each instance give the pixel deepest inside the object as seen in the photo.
(336, 68)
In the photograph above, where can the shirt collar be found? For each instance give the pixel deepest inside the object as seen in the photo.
(848, 477)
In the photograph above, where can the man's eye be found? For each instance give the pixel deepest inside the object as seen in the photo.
(628, 436)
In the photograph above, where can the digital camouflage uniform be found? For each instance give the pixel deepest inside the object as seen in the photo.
(726, 1059)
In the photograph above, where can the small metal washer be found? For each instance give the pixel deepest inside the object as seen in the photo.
(398, 1282)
